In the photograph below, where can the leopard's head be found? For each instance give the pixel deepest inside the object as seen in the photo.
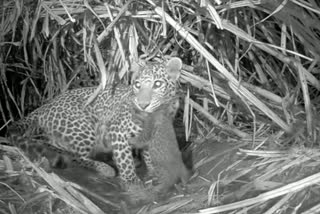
(155, 83)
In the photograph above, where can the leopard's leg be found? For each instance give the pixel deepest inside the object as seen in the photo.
(119, 131)
(122, 155)
(79, 140)
(102, 168)
(163, 180)
(82, 159)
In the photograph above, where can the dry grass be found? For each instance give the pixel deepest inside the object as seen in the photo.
(250, 80)
(232, 176)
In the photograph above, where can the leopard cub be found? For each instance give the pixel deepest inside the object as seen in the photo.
(159, 139)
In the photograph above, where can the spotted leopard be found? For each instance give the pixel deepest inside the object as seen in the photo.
(107, 122)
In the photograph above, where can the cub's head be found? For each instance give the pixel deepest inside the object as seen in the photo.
(155, 83)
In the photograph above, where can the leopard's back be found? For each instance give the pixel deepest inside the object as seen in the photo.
(70, 106)
(67, 104)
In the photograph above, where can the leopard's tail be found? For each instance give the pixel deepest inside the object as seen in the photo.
(22, 127)
(17, 128)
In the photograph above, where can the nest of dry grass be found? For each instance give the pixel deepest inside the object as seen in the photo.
(250, 80)
(227, 179)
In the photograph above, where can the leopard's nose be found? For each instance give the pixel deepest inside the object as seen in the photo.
(144, 105)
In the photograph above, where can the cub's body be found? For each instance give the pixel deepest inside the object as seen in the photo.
(159, 139)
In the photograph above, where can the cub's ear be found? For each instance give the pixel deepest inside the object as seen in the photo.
(173, 68)
(134, 71)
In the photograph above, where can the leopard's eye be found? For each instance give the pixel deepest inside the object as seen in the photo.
(158, 84)
(137, 84)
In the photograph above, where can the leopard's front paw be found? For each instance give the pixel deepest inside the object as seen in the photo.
(106, 171)
(126, 185)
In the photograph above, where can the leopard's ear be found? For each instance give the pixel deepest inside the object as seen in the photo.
(173, 68)
(134, 68)
(134, 71)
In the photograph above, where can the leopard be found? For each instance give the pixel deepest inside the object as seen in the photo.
(159, 139)
(107, 122)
